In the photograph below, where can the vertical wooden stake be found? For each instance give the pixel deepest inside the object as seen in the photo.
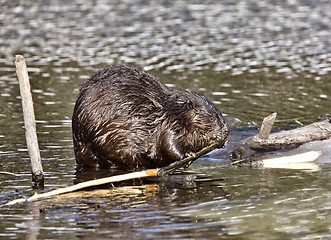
(29, 122)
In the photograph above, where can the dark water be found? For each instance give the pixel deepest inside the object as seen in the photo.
(251, 58)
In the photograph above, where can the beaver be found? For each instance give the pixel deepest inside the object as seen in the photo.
(126, 118)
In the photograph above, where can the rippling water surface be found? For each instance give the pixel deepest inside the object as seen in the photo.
(251, 58)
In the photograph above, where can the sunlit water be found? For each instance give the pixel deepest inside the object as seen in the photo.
(251, 58)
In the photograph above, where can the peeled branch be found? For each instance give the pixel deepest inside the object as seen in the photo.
(96, 182)
(305, 161)
(294, 159)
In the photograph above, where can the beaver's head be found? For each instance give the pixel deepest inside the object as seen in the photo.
(205, 123)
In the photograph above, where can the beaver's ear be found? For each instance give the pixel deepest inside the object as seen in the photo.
(190, 105)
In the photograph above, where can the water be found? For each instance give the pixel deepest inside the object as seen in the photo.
(251, 58)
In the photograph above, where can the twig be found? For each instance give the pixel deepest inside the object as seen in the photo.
(29, 122)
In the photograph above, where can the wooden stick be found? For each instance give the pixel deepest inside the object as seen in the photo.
(96, 182)
(29, 122)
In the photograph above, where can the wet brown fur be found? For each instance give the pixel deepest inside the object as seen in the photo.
(125, 117)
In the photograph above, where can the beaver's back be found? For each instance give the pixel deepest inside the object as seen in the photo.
(115, 117)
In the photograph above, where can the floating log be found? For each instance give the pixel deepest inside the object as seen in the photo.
(29, 122)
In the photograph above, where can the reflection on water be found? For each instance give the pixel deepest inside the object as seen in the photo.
(250, 58)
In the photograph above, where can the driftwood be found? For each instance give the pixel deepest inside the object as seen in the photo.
(29, 122)
(263, 141)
